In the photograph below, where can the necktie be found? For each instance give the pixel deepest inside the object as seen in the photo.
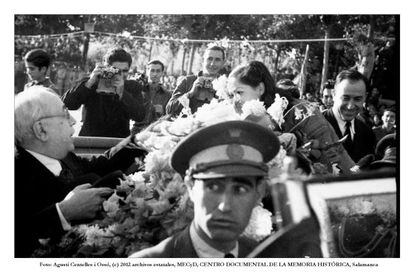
(228, 255)
(348, 141)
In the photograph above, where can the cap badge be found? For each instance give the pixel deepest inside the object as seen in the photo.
(235, 133)
(235, 151)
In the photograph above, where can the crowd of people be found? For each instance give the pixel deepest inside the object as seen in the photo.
(224, 165)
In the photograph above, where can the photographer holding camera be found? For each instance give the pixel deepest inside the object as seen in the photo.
(199, 89)
(110, 100)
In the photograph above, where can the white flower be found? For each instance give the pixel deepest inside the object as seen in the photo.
(142, 136)
(276, 164)
(260, 224)
(298, 113)
(220, 85)
(277, 108)
(185, 101)
(159, 206)
(216, 112)
(124, 184)
(94, 235)
(111, 206)
(137, 178)
(181, 126)
(156, 161)
(253, 107)
(174, 188)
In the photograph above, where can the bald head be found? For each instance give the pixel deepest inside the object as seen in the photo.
(29, 106)
(40, 116)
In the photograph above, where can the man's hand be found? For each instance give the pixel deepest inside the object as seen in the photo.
(199, 91)
(94, 76)
(128, 142)
(83, 202)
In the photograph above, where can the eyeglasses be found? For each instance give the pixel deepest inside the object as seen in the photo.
(65, 114)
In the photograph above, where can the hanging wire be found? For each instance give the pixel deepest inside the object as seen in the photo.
(191, 40)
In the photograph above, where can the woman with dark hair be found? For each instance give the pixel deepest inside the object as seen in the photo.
(253, 81)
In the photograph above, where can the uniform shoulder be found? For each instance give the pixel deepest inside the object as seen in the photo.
(158, 251)
(246, 245)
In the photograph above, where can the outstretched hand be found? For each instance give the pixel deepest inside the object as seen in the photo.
(128, 142)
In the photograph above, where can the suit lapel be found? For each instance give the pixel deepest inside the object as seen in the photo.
(331, 118)
(35, 170)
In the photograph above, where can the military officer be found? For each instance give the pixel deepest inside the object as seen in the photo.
(224, 167)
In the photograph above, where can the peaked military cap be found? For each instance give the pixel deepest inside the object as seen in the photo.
(226, 149)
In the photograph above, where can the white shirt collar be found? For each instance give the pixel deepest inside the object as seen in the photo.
(204, 250)
(342, 123)
(53, 165)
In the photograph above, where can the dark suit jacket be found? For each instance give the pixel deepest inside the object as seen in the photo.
(181, 246)
(364, 139)
(37, 191)
(106, 115)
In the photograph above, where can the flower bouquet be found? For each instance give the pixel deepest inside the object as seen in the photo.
(152, 204)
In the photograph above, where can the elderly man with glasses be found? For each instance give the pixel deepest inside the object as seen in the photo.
(53, 188)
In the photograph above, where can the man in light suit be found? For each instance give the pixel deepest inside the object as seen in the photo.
(224, 167)
(349, 95)
(52, 185)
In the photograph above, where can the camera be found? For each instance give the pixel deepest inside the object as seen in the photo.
(109, 72)
(142, 79)
(207, 83)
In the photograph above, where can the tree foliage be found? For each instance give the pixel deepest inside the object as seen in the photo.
(216, 27)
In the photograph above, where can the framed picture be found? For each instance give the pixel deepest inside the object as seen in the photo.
(348, 216)
(357, 215)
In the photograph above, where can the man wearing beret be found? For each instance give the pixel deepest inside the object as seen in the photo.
(224, 167)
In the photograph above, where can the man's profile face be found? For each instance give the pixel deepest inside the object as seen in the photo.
(349, 98)
(34, 72)
(222, 207)
(154, 72)
(59, 128)
(327, 98)
(213, 61)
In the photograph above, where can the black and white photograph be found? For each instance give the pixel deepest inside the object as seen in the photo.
(149, 140)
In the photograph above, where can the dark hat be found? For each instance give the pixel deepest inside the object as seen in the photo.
(389, 159)
(385, 142)
(226, 149)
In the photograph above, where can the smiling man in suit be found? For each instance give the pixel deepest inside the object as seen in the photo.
(349, 96)
(224, 167)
